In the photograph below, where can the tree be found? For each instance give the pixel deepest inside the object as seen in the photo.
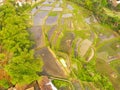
(23, 68)
(4, 83)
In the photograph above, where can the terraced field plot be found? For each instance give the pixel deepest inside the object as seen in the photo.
(74, 35)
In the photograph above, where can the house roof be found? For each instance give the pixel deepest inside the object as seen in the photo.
(115, 2)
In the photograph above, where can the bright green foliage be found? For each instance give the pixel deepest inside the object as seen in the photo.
(87, 72)
(61, 84)
(14, 38)
(106, 85)
(2, 56)
(4, 83)
(23, 68)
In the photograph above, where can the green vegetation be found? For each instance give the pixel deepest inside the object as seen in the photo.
(21, 66)
(53, 14)
(62, 84)
(4, 83)
(65, 42)
(107, 71)
(103, 10)
(87, 72)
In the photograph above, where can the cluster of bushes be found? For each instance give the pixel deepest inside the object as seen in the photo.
(96, 6)
(14, 38)
(86, 71)
(60, 84)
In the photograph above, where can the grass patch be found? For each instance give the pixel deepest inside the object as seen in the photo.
(62, 85)
(4, 83)
(53, 14)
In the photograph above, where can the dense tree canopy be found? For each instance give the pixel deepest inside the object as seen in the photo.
(23, 68)
(14, 38)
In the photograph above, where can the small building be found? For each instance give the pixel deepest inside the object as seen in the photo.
(46, 84)
(115, 2)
